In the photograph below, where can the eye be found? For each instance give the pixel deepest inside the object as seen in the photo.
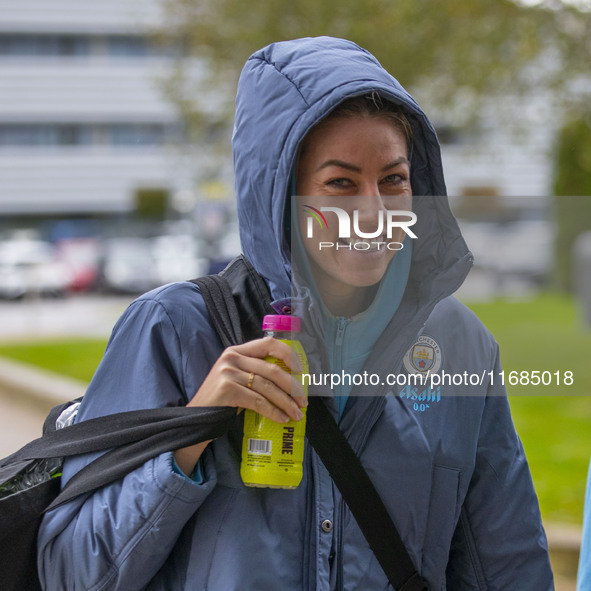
(395, 179)
(340, 182)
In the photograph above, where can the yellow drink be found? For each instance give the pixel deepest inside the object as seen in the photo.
(273, 453)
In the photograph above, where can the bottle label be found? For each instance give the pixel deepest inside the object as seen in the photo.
(260, 447)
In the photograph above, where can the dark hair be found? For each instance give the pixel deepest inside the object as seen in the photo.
(369, 105)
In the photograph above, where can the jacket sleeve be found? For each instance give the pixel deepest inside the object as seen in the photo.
(499, 543)
(584, 574)
(120, 536)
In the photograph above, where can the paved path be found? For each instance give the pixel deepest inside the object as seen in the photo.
(26, 396)
(19, 423)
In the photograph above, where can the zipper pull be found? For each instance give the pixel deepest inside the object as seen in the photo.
(340, 331)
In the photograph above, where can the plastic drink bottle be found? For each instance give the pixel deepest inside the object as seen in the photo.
(273, 453)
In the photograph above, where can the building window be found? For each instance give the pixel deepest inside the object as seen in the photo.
(48, 45)
(448, 135)
(61, 134)
(128, 47)
(43, 45)
(44, 135)
(136, 135)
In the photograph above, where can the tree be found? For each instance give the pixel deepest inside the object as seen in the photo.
(452, 48)
(572, 189)
(451, 55)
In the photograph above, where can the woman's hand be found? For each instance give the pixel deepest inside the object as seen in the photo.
(242, 378)
(273, 392)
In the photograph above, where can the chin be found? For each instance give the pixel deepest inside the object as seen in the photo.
(363, 279)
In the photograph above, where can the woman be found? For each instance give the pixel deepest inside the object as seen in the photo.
(446, 462)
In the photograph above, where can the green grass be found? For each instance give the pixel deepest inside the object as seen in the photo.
(77, 358)
(554, 422)
(541, 334)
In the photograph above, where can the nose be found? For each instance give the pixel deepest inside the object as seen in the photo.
(368, 188)
(369, 191)
(369, 203)
(368, 217)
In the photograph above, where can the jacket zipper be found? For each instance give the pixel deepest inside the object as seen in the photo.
(337, 353)
(340, 545)
(310, 563)
(341, 326)
(339, 510)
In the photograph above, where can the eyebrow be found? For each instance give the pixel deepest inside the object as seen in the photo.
(353, 168)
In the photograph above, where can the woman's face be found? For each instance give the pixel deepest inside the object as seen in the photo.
(355, 163)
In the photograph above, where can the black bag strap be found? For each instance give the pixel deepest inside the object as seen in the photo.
(222, 309)
(324, 434)
(133, 437)
(236, 299)
(120, 461)
(101, 433)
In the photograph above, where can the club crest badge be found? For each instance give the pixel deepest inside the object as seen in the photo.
(424, 356)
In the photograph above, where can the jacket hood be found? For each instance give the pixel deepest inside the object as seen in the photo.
(284, 90)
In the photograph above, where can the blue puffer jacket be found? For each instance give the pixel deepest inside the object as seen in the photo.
(447, 462)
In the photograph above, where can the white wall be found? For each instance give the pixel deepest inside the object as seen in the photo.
(92, 89)
(78, 16)
(72, 181)
(84, 90)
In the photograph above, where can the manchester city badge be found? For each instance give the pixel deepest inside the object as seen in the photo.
(423, 357)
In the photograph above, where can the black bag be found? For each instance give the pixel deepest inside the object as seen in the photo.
(132, 437)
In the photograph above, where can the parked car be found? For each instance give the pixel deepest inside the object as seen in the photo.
(136, 265)
(29, 267)
(178, 258)
(81, 257)
(126, 265)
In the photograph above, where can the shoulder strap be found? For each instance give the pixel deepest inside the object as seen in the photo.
(236, 299)
(154, 435)
(133, 437)
(229, 311)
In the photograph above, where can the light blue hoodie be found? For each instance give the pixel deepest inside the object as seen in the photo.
(447, 463)
(349, 341)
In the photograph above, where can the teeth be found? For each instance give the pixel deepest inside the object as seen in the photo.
(358, 240)
(374, 243)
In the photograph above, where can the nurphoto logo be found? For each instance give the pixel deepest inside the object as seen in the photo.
(381, 237)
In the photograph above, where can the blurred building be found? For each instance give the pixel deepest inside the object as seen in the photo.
(505, 156)
(85, 127)
(497, 159)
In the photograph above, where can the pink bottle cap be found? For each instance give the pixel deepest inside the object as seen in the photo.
(277, 322)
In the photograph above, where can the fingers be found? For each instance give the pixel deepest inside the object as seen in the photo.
(266, 397)
(269, 401)
(274, 373)
(266, 346)
(242, 378)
